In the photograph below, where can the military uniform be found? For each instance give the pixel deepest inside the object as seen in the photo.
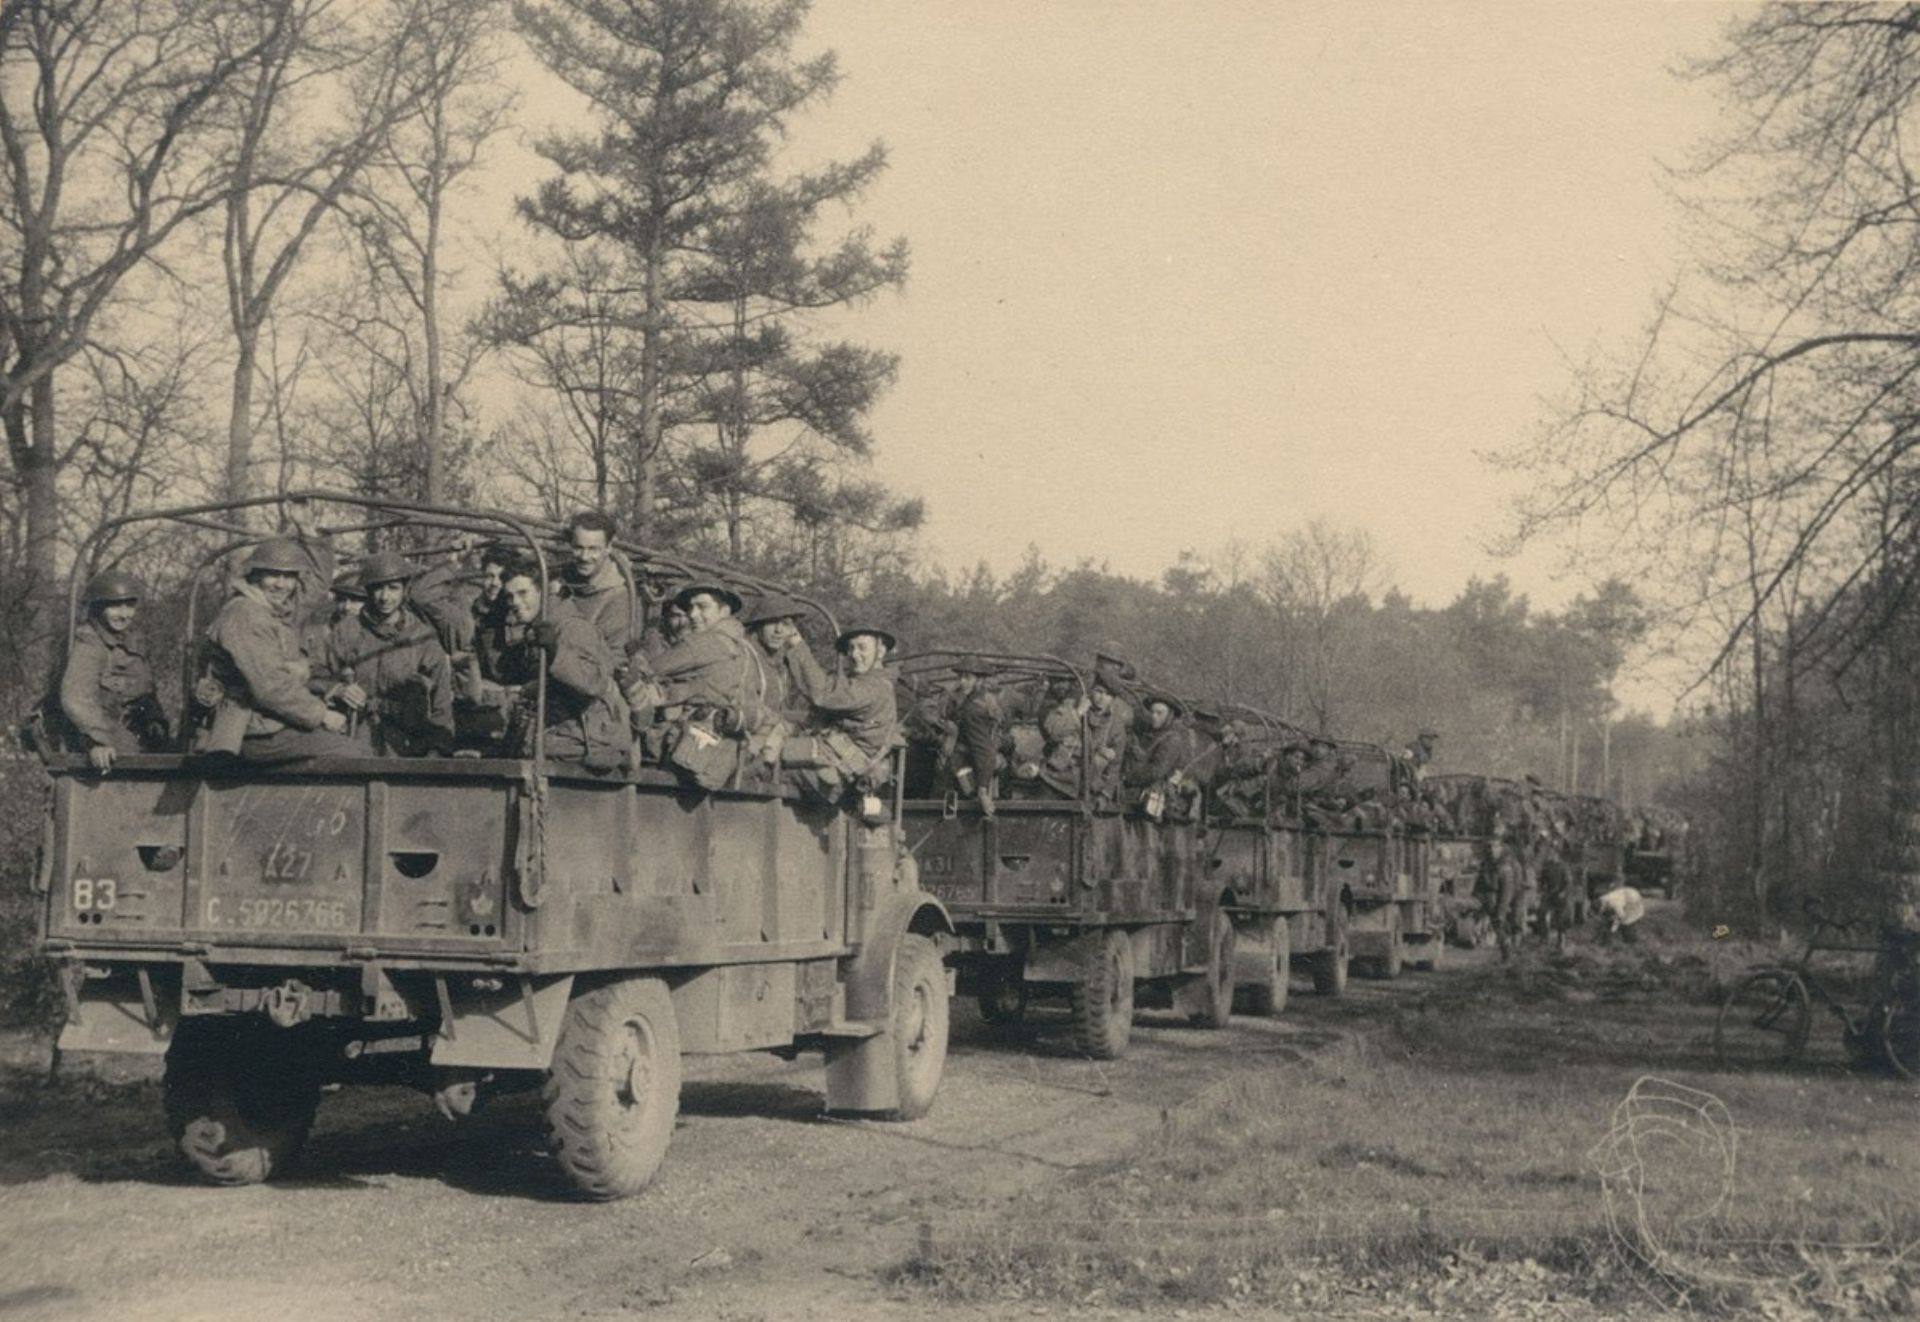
(1108, 735)
(255, 676)
(860, 716)
(586, 714)
(1164, 759)
(107, 693)
(407, 677)
(604, 602)
(1509, 885)
(1060, 760)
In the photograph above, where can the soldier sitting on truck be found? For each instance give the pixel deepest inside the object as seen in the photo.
(855, 719)
(1109, 731)
(969, 721)
(253, 677)
(586, 716)
(390, 666)
(708, 692)
(591, 582)
(1059, 762)
(1330, 799)
(105, 703)
(1166, 771)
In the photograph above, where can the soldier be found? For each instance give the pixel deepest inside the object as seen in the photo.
(1109, 729)
(586, 716)
(1509, 885)
(971, 719)
(391, 666)
(855, 713)
(106, 690)
(1420, 752)
(1621, 909)
(1288, 777)
(592, 582)
(1555, 882)
(1161, 768)
(773, 622)
(669, 630)
(1060, 737)
(254, 676)
(1331, 799)
(710, 687)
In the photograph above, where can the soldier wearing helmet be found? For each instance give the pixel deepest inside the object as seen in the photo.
(707, 692)
(389, 666)
(106, 690)
(856, 717)
(254, 676)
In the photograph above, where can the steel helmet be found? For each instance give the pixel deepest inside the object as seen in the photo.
(113, 585)
(387, 567)
(278, 555)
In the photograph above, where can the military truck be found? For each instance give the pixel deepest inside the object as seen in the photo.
(1275, 875)
(1061, 893)
(472, 925)
(1380, 871)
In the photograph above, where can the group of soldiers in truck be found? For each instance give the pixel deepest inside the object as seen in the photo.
(1143, 747)
(395, 659)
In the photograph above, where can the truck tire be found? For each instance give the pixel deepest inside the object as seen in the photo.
(1330, 965)
(613, 1091)
(1268, 996)
(1216, 1003)
(1004, 1005)
(1103, 998)
(919, 1025)
(240, 1099)
(1394, 960)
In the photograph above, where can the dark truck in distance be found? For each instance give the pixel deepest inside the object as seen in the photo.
(470, 925)
(1057, 895)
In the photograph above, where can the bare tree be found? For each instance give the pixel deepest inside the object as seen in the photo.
(316, 105)
(105, 111)
(1319, 578)
(451, 81)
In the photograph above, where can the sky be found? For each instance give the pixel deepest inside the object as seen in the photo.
(1192, 272)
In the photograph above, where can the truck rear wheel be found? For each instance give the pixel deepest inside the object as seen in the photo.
(613, 1091)
(1394, 960)
(1004, 1004)
(919, 1026)
(240, 1099)
(1103, 998)
(1216, 1005)
(1267, 995)
(1330, 965)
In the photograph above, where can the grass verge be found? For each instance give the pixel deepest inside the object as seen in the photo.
(1440, 1160)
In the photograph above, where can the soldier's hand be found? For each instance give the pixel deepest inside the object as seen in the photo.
(544, 633)
(300, 516)
(100, 758)
(334, 722)
(350, 696)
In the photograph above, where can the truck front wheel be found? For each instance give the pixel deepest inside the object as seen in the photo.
(613, 1091)
(240, 1099)
(1103, 997)
(919, 1027)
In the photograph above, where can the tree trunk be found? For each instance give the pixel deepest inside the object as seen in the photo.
(240, 416)
(652, 350)
(433, 461)
(29, 427)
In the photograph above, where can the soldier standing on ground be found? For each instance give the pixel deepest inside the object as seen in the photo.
(1509, 885)
(106, 689)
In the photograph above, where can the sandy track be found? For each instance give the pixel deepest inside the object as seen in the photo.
(764, 1209)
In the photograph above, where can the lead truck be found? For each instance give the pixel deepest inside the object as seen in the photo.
(470, 925)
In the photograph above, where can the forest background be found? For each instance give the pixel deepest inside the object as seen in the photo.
(235, 263)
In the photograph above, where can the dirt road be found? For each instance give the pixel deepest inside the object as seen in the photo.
(764, 1209)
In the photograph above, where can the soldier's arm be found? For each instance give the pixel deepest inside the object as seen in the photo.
(689, 656)
(434, 600)
(836, 695)
(80, 689)
(437, 672)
